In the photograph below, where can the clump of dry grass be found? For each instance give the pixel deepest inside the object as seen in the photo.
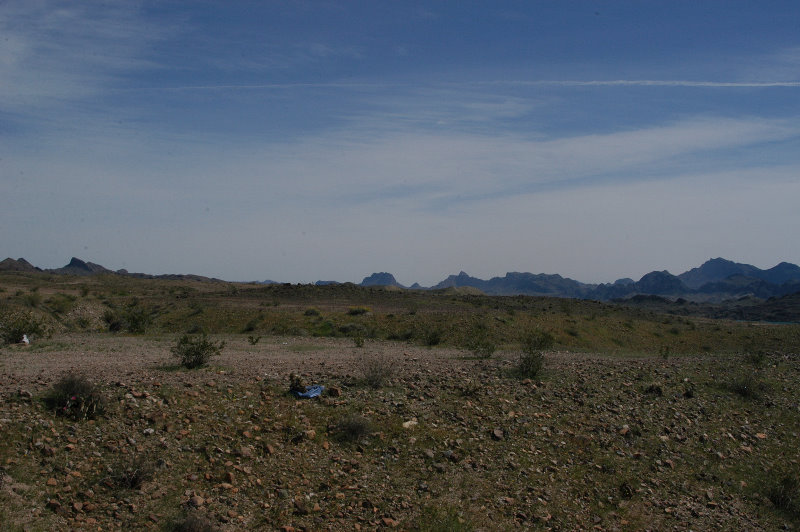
(76, 397)
(352, 428)
(376, 371)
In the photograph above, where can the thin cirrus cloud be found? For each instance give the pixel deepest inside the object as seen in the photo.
(116, 122)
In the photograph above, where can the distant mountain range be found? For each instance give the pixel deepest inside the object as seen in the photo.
(77, 266)
(716, 280)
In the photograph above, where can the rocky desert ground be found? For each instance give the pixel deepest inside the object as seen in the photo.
(637, 420)
(443, 442)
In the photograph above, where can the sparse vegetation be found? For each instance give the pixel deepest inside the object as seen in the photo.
(442, 519)
(376, 371)
(196, 351)
(747, 385)
(76, 397)
(612, 436)
(132, 472)
(432, 337)
(352, 428)
(15, 324)
(785, 494)
(531, 361)
(193, 522)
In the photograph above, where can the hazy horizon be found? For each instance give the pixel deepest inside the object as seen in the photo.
(366, 275)
(305, 141)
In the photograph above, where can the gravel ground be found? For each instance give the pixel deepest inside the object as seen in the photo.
(445, 443)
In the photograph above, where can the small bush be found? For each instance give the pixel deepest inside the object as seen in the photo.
(483, 348)
(756, 358)
(13, 325)
(133, 473)
(353, 329)
(352, 428)
(33, 299)
(74, 396)
(747, 386)
(786, 494)
(530, 364)
(193, 522)
(137, 319)
(432, 337)
(311, 312)
(376, 371)
(113, 320)
(537, 340)
(357, 311)
(61, 303)
(134, 319)
(253, 340)
(196, 351)
(480, 343)
(251, 325)
(438, 519)
(531, 360)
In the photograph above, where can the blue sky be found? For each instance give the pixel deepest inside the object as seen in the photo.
(309, 140)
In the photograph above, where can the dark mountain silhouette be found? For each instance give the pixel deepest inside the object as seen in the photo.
(381, 279)
(661, 284)
(784, 272)
(715, 270)
(516, 283)
(715, 280)
(78, 267)
(18, 265)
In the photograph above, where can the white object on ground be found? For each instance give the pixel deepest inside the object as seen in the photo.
(25, 339)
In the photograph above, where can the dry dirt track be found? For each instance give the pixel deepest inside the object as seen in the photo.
(133, 359)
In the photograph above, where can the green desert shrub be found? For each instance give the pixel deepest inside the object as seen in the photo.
(113, 320)
(357, 311)
(196, 351)
(747, 385)
(15, 324)
(193, 522)
(133, 472)
(432, 337)
(352, 428)
(480, 343)
(785, 494)
(76, 397)
(531, 360)
(442, 519)
(137, 319)
(32, 299)
(537, 340)
(376, 371)
(756, 358)
(61, 303)
(134, 319)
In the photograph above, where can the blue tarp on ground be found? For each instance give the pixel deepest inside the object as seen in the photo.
(315, 390)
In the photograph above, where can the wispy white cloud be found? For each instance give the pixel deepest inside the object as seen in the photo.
(51, 50)
(641, 83)
(449, 86)
(430, 168)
